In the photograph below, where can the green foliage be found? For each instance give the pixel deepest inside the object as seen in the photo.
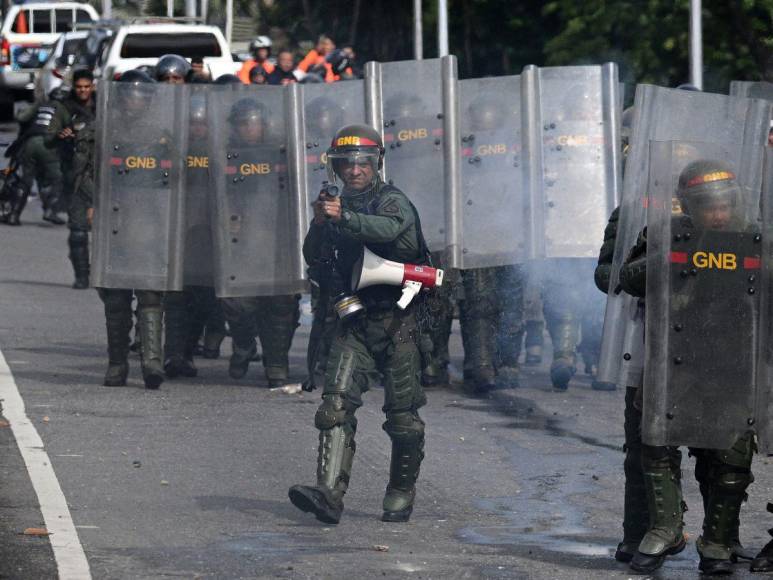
(647, 38)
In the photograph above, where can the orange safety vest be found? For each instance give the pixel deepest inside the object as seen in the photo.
(244, 73)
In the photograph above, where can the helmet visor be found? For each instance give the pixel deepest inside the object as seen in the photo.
(338, 162)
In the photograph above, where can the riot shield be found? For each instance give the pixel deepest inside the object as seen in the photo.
(327, 107)
(703, 293)
(414, 102)
(764, 402)
(571, 153)
(258, 211)
(661, 114)
(139, 206)
(198, 260)
(752, 90)
(492, 211)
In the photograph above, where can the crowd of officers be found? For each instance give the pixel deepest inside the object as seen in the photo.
(388, 343)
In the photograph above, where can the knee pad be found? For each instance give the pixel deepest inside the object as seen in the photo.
(661, 457)
(732, 480)
(332, 412)
(148, 300)
(740, 454)
(78, 238)
(404, 427)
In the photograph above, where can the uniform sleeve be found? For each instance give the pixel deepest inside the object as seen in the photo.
(604, 266)
(633, 274)
(59, 121)
(26, 115)
(393, 217)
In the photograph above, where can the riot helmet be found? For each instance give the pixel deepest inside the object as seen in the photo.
(486, 113)
(172, 68)
(709, 193)
(198, 117)
(358, 145)
(339, 61)
(406, 105)
(248, 119)
(688, 87)
(137, 96)
(323, 116)
(228, 79)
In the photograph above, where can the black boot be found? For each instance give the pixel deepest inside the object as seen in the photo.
(407, 455)
(51, 216)
(177, 328)
(151, 328)
(17, 206)
(118, 327)
(715, 546)
(334, 466)
(635, 510)
(665, 536)
(78, 241)
(214, 333)
(763, 562)
(240, 360)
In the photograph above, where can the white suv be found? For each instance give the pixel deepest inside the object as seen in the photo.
(135, 45)
(28, 32)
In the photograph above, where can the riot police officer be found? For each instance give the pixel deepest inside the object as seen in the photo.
(117, 301)
(382, 339)
(40, 161)
(178, 306)
(73, 130)
(172, 69)
(710, 199)
(272, 318)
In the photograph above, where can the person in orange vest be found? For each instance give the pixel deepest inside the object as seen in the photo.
(261, 51)
(316, 56)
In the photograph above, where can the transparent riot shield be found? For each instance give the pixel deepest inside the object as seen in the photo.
(492, 210)
(140, 206)
(415, 104)
(752, 90)
(661, 114)
(199, 260)
(764, 402)
(327, 107)
(571, 154)
(258, 211)
(703, 293)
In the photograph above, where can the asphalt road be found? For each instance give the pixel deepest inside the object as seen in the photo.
(191, 481)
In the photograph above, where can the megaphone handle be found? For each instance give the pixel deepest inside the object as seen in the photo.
(410, 290)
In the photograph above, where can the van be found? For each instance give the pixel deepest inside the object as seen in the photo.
(26, 38)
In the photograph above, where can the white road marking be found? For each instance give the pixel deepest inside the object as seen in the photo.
(68, 552)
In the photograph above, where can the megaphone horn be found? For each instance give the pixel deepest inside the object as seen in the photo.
(372, 269)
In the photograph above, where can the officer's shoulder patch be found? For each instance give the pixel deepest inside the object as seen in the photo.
(390, 207)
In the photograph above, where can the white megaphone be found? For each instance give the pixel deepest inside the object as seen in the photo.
(371, 269)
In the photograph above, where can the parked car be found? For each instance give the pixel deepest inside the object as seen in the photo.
(27, 35)
(58, 66)
(136, 45)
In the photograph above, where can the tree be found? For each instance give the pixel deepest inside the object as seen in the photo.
(649, 38)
